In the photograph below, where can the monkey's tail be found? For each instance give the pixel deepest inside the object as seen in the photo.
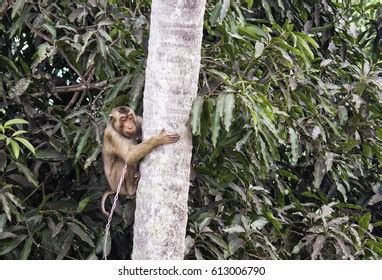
(103, 200)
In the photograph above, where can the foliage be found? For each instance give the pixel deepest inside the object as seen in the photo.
(287, 146)
(301, 162)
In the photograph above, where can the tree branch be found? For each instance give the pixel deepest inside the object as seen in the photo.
(5, 6)
(39, 34)
(60, 50)
(79, 87)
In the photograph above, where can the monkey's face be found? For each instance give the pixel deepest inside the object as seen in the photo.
(126, 124)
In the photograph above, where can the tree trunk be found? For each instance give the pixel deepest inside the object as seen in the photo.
(171, 85)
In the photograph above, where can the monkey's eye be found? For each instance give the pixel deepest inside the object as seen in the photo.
(123, 119)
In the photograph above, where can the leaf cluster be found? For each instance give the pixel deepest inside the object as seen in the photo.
(287, 128)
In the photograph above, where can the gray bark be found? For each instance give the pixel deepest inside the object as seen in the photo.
(171, 85)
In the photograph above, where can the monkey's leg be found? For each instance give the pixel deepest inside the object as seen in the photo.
(132, 187)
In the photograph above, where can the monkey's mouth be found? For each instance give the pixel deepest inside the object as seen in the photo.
(129, 133)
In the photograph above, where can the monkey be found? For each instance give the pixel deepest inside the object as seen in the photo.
(121, 145)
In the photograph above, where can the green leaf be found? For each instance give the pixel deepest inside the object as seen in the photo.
(252, 31)
(196, 112)
(105, 34)
(12, 66)
(364, 222)
(15, 200)
(286, 46)
(28, 174)
(229, 106)
(19, 132)
(82, 143)
(273, 147)
(49, 155)
(27, 249)
(81, 233)
(50, 29)
(15, 121)
(66, 245)
(219, 111)
(273, 220)
(75, 113)
(319, 172)
(294, 145)
(333, 126)
(66, 27)
(100, 247)
(217, 239)
(224, 9)
(220, 74)
(285, 55)
(54, 228)
(342, 114)
(215, 14)
(136, 91)
(3, 161)
(8, 246)
(309, 39)
(379, 133)
(117, 88)
(15, 148)
(305, 47)
(281, 4)
(264, 153)
(6, 208)
(44, 51)
(249, 4)
(268, 11)
(259, 48)
(86, 39)
(101, 46)
(3, 221)
(17, 6)
(93, 157)
(26, 143)
(83, 203)
(234, 229)
(5, 235)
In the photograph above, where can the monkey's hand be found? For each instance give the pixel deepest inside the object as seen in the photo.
(137, 177)
(165, 138)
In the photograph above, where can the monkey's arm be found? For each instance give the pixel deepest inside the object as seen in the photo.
(132, 154)
(137, 152)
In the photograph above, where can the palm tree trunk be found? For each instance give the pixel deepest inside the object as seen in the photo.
(171, 85)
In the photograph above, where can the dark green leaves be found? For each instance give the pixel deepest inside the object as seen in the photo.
(196, 112)
(17, 6)
(82, 143)
(224, 106)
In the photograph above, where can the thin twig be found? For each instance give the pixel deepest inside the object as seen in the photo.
(70, 64)
(72, 101)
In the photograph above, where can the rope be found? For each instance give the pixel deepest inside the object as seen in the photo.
(107, 228)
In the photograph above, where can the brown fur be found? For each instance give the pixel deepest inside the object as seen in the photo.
(119, 148)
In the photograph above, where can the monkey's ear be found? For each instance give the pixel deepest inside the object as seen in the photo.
(111, 117)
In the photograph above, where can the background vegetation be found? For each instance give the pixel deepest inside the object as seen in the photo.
(287, 128)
